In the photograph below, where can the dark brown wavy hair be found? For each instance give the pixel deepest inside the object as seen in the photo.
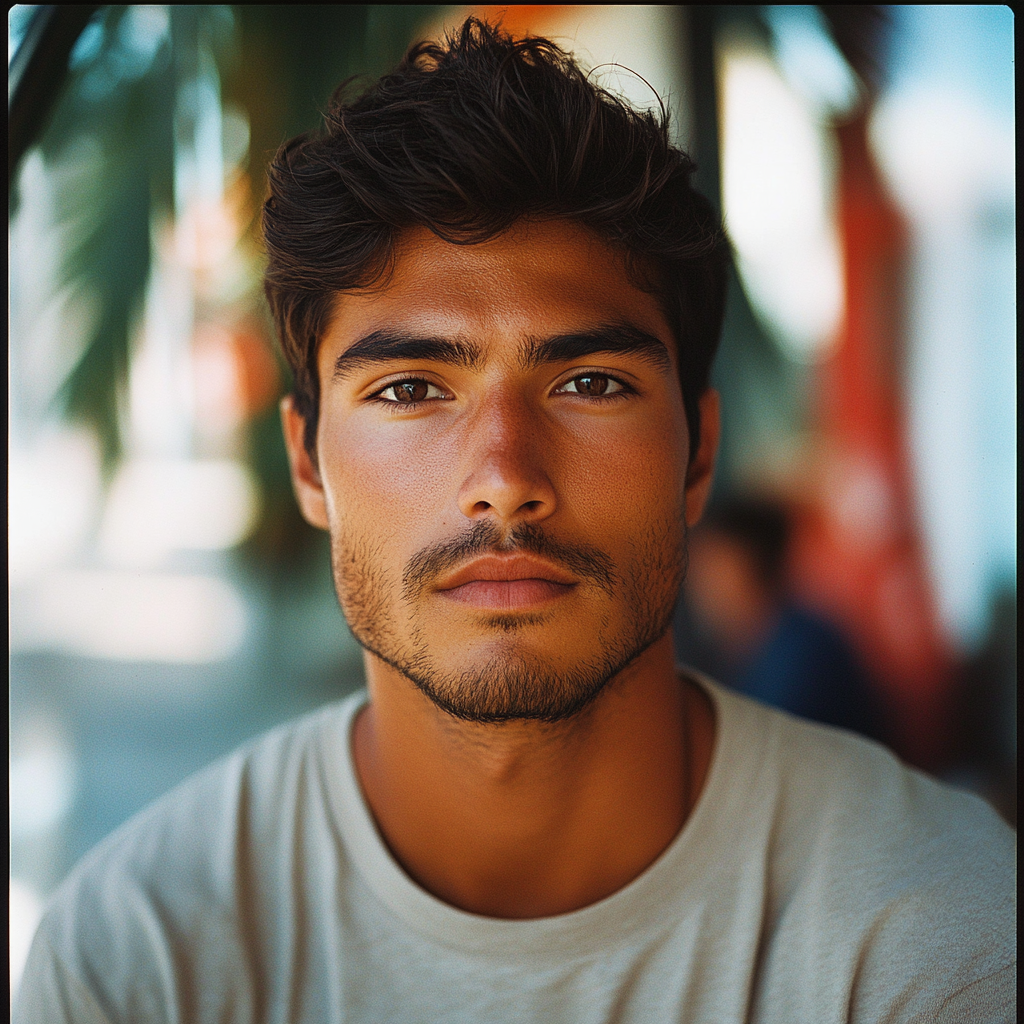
(466, 137)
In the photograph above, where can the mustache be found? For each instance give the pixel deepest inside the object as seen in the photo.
(581, 560)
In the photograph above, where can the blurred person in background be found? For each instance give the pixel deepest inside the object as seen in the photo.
(500, 297)
(768, 645)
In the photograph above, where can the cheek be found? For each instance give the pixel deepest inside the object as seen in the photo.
(630, 477)
(381, 479)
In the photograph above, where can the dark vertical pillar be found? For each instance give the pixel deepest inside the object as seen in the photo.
(701, 23)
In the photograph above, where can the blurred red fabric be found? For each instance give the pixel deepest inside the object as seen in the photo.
(858, 551)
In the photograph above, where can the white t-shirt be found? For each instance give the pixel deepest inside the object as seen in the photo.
(817, 880)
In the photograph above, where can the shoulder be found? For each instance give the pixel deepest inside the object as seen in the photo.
(248, 793)
(879, 878)
(833, 790)
(193, 872)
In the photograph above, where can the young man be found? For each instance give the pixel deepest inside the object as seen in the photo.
(500, 298)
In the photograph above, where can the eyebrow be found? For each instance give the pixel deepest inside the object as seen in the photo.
(390, 345)
(620, 339)
(385, 345)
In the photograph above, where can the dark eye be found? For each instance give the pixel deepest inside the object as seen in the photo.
(405, 392)
(593, 384)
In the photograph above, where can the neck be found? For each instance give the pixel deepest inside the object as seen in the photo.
(527, 819)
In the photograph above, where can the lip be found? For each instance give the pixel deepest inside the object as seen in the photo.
(505, 568)
(507, 583)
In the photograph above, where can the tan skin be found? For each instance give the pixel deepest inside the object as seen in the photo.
(521, 819)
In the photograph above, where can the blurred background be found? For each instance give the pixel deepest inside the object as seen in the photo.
(859, 561)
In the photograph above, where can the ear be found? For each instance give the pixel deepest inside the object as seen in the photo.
(309, 489)
(701, 470)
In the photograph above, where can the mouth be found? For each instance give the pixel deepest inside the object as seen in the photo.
(511, 583)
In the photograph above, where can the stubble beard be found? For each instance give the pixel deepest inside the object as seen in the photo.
(513, 684)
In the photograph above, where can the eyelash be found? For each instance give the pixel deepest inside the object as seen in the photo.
(624, 391)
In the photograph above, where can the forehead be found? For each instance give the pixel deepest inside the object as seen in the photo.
(538, 279)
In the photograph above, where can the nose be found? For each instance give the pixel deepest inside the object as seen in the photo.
(505, 475)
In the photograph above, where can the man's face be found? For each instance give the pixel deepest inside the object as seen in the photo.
(502, 466)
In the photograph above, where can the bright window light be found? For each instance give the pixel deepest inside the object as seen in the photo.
(53, 493)
(131, 616)
(157, 506)
(776, 186)
(26, 910)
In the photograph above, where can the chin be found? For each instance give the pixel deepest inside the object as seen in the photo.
(514, 681)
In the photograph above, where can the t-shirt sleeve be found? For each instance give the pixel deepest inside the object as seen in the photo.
(896, 894)
(51, 994)
(185, 912)
(991, 1000)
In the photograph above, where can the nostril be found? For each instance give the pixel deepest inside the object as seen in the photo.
(506, 491)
